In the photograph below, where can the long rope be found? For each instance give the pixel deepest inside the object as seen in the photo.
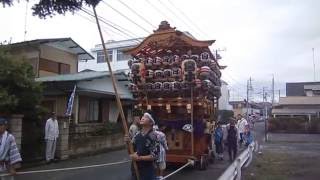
(176, 171)
(68, 169)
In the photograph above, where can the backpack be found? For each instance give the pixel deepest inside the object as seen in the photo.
(232, 134)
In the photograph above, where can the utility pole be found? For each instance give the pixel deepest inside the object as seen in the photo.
(314, 66)
(264, 94)
(279, 95)
(249, 87)
(272, 101)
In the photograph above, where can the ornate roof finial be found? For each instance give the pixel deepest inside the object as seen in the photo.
(164, 25)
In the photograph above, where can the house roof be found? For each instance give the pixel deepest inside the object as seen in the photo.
(298, 88)
(66, 44)
(300, 100)
(90, 82)
(294, 111)
(81, 76)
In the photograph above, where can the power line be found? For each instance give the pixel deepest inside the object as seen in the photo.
(104, 27)
(158, 10)
(126, 17)
(133, 11)
(110, 24)
(186, 17)
(172, 12)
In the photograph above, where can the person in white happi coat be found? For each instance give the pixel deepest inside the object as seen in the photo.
(10, 157)
(241, 125)
(51, 135)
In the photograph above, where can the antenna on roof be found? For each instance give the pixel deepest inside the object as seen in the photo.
(314, 66)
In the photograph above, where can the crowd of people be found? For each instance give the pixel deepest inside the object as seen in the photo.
(150, 143)
(235, 134)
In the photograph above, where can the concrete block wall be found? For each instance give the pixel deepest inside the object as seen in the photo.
(84, 145)
(62, 150)
(15, 127)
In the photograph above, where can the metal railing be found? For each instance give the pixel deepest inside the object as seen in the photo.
(243, 160)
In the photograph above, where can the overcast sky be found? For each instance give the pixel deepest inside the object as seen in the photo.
(261, 37)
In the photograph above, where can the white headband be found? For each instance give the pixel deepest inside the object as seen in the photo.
(150, 117)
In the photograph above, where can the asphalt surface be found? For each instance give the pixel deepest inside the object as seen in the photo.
(122, 171)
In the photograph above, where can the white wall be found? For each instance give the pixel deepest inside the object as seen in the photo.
(93, 65)
(115, 64)
(224, 99)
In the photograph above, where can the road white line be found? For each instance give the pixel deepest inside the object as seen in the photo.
(67, 169)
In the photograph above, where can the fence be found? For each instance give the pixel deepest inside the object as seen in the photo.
(243, 160)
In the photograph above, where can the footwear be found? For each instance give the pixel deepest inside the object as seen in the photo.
(48, 162)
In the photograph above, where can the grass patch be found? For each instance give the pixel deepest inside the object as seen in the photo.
(282, 166)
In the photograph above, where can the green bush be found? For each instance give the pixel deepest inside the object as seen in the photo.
(293, 125)
(225, 116)
(19, 93)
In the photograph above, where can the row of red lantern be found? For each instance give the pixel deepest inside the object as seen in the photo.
(175, 61)
(172, 86)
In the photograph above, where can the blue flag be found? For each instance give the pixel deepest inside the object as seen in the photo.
(70, 102)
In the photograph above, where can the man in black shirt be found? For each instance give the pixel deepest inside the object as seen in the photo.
(146, 148)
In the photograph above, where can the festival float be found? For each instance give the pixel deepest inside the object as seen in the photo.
(178, 78)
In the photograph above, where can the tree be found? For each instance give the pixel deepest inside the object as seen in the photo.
(19, 93)
(45, 8)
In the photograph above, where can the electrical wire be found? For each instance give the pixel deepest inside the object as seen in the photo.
(174, 14)
(158, 10)
(186, 17)
(140, 16)
(114, 26)
(126, 17)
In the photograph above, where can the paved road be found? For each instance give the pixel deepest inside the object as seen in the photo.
(121, 171)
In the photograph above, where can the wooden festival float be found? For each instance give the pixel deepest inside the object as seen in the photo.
(178, 78)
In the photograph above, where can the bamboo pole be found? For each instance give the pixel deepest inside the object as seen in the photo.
(124, 122)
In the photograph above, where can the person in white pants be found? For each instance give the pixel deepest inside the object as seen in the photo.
(51, 135)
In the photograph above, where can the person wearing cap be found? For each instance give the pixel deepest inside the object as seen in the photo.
(146, 147)
(10, 157)
(51, 135)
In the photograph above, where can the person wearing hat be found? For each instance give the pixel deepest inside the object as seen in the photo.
(146, 147)
(10, 157)
(51, 135)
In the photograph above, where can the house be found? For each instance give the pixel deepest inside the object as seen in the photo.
(92, 125)
(224, 98)
(240, 107)
(93, 110)
(48, 57)
(118, 59)
(302, 99)
(51, 56)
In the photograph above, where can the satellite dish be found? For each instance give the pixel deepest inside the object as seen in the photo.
(188, 128)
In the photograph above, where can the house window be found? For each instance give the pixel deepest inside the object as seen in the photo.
(122, 56)
(100, 56)
(93, 110)
(54, 67)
